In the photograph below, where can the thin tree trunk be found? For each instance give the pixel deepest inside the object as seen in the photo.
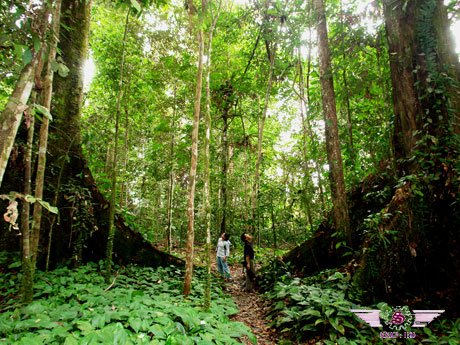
(339, 200)
(307, 174)
(43, 136)
(113, 195)
(255, 195)
(194, 158)
(351, 148)
(275, 241)
(169, 206)
(27, 279)
(33, 238)
(207, 159)
(224, 177)
(124, 187)
(310, 131)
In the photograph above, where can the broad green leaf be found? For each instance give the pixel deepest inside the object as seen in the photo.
(135, 323)
(43, 111)
(63, 70)
(52, 209)
(85, 327)
(15, 264)
(27, 56)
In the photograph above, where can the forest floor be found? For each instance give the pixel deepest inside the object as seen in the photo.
(252, 309)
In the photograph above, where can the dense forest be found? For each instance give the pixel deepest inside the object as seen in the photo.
(134, 133)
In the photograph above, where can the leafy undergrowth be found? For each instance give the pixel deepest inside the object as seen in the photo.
(144, 306)
(317, 310)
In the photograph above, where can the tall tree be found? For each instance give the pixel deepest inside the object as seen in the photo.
(424, 207)
(226, 98)
(113, 192)
(207, 157)
(170, 194)
(334, 156)
(66, 163)
(195, 26)
(44, 127)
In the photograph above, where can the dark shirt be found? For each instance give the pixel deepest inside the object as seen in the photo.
(248, 251)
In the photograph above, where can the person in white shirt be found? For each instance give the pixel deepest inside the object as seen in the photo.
(223, 251)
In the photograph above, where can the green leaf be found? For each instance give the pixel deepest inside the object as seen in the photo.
(29, 198)
(136, 5)
(40, 109)
(15, 264)
(135, 323)
(317, 322)
(85, 327)
(27, 56)
(70, 340)
(63, 70)
(98, 321)
(52, 209)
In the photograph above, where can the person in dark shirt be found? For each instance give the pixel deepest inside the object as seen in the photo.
(248, 263)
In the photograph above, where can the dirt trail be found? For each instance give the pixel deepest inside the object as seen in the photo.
(252, 310)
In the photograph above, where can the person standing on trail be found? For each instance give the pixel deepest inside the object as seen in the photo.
(223, 251)
(248, 263)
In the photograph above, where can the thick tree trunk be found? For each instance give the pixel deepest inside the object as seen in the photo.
(334, 156)
(400, 26)
(419, 40)
(65, 160)
(11, 117)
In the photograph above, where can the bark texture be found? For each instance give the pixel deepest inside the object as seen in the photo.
(193, 163)
(11, 117)
(334, 156)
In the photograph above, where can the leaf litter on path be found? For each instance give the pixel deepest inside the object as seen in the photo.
(252, 311)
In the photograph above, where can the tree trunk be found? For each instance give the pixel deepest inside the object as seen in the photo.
(424, 209)
(339, 198)
(31, 239)
(194, 159)
(12, 115)
(412, 49)
(307, 174)
(400, 28)
(113, 192)
(207, 159)
(351, 148)
(255, 190)
(226, 95)
(170, 196)
(308, 125)
(27, 279)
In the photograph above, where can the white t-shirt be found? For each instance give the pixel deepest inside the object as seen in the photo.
(223, 248)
